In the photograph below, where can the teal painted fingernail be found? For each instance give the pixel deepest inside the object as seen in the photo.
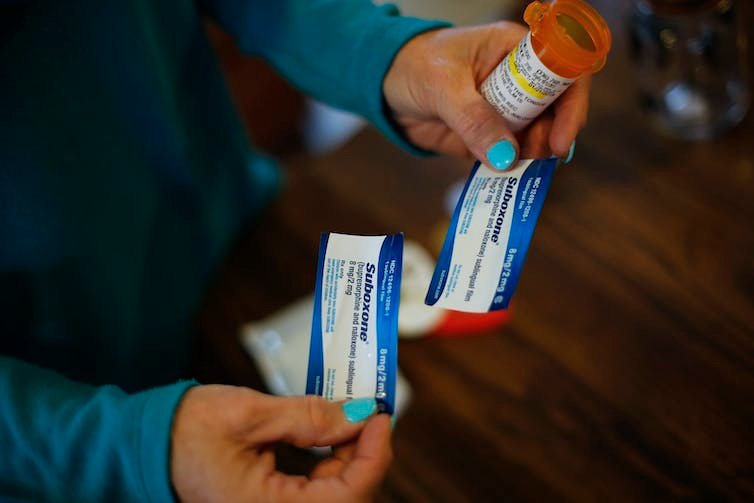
(392, 422)
(570, 152)
(359, 409)
(501, 154)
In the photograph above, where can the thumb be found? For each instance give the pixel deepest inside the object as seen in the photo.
(308, 421)
(483, 129)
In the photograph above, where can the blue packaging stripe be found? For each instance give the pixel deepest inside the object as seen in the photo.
(314, 375)
(522, 230)
(389, 274)
(442, 269)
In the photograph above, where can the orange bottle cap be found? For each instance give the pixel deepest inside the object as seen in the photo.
(571, 35)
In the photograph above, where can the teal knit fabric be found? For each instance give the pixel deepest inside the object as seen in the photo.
(124, 175)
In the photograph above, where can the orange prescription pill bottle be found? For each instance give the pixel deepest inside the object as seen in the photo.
(566, 39)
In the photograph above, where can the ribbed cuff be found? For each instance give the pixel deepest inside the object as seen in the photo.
(154, 440)
(394, 33)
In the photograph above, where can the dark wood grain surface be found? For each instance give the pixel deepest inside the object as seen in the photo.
(627, 372)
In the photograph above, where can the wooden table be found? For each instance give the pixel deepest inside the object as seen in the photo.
(627, 372)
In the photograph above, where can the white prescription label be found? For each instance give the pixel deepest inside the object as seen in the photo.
(521, 87)
(353, 349)
(488, 236)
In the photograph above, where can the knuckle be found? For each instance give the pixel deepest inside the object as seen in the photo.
(315, 414)
(472, 120)
(511, 28)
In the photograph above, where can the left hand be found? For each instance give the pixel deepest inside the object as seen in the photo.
(223, 437)
(432, 89)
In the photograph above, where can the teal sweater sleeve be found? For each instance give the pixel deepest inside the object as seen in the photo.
(334, 50)
(64, 441)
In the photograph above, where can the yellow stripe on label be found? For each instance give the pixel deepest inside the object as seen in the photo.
(520, 80)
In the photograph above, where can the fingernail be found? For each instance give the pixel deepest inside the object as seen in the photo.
(570, 152)
(501, 154)
(392, 422)
(359, 409)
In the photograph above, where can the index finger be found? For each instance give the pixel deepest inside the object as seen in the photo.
(372, 457)
(571, 110)
(355, 478)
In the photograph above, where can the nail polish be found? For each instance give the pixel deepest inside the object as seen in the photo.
(359, 409)
(570, 152)
(501, 155)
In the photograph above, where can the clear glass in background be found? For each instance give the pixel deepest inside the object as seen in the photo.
(691, 66)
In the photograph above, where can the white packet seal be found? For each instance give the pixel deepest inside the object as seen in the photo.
(354, 339)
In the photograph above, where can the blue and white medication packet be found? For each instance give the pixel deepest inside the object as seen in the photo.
(488, 236)
(354, 342)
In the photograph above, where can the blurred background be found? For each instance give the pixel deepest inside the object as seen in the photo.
(625, 367)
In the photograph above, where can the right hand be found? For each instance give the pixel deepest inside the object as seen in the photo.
(222, 447)
(432, 90)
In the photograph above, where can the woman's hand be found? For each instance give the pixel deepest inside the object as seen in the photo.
(223, 439)
(432, 89)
